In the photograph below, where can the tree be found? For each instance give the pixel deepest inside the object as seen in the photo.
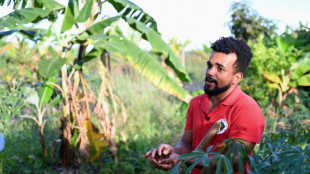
(247, 24)
(86, 27)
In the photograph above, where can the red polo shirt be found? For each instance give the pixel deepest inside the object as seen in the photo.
(243, 115)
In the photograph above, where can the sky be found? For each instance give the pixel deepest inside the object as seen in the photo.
(204, 21)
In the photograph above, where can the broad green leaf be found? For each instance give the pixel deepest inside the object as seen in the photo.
(159, 45)
(145, 64)
(84, 14)
(71, 10)
(50, 67)
(149, 67)
(116, 47)
(51, 4)
(131, 10)
(100, 26)
(304, 80)
(282, 45)
(23, 16)
(95, 52)
(302, 68)
(272, 77)
(46, 92)
(32, 97)
(7, 33)
(28, 33)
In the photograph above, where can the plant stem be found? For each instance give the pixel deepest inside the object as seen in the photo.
(43, 140)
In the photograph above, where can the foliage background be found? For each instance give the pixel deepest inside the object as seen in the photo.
(153, 115)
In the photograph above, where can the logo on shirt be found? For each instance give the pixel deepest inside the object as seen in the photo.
(224, 126)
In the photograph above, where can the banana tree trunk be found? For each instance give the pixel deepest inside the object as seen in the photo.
(66, 149)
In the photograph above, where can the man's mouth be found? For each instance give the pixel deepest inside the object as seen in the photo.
(210, 80)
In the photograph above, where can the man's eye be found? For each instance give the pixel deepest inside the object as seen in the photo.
(209, 66)
(220, 69)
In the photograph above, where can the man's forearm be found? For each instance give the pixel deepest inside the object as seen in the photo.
(183, 148)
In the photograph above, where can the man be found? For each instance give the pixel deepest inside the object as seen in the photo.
(223, 100)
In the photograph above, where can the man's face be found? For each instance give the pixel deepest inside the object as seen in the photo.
(219, 73)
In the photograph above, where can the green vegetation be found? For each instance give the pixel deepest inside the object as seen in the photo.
(89, 84)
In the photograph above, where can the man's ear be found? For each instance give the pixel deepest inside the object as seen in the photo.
(237, 78)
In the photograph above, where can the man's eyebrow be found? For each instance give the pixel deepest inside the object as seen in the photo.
(220, 65)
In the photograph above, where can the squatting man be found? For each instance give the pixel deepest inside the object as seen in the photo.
(223, 100)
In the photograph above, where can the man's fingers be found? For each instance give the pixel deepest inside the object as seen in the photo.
(153, 154)
(167, 151)
(166, 166)
(147, 154)
(164, 149)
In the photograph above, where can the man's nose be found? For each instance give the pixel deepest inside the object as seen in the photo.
(210, 71)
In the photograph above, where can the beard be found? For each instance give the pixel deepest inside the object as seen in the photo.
(217, 90)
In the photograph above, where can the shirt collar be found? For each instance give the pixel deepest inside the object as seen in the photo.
(232, 97)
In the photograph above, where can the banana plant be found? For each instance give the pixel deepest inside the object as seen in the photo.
(85, 25)
(288, 83)
(32, 98)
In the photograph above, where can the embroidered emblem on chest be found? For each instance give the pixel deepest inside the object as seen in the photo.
(224, 126)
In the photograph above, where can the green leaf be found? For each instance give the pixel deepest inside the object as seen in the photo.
(150, 68)
(304, 80)
(159, 45)
(282, 45)
(100, 26)
(32, 96)
(51, 4)
(50, 67)
(68, 21)
(219, 166)
(131, 10)
(29, 33)
(205, 160)
(55, 101)
(190, 168)
(84, 14)
(241, 160)
(302, 68)
(227, 166)
(23, 16)
(46, 92)
(144, 23)
(191, 155)
(176, 169)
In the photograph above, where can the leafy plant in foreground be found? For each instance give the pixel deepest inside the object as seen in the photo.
(285, 152)
(223, 157)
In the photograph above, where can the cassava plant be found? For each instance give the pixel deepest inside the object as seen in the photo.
(86, 26)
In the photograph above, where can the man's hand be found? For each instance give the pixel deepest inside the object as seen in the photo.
(165, 163)
(161, 150)
(163, 157)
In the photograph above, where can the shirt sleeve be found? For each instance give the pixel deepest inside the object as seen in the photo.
(247, 123)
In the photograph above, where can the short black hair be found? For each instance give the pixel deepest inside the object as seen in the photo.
(239, 47)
